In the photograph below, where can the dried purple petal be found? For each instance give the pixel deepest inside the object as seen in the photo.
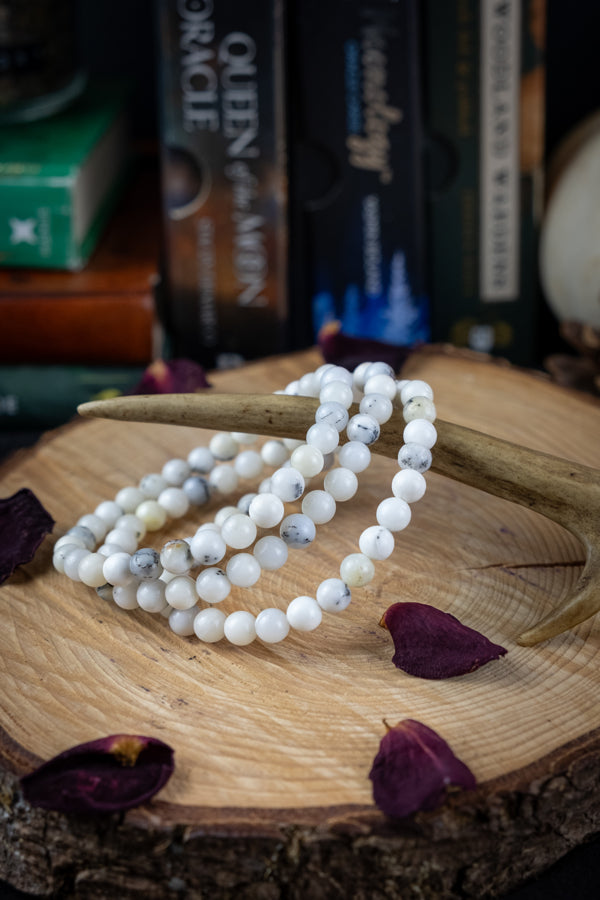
(177, 376)
(102, 776)
(347, 351)
(24, 523)
(414, 769)
(430, 643)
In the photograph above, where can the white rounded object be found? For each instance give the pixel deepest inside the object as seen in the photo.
(266, 510)
(355, 456)
(376, 542)
(213, 585)
(116, 569)
(208, 547)
(287, 483)
(356, 570)
(272, 625)
(341, 483)
(109, 511)
(201, 460)
(125, 596)
(420, 431)
(133, 523)
(72, 562)
(90, 570)
(223, 446)
(380, 384)
(378, 406)
(152, 514)
(209, 625)
(175, 471)
(176, 557)
(409, 485)
(363, 428)
(181, 593)
(129, 498)
(223, 479)
(322, 436)
(95, 524)
(238, 531)
(333, 595)
(333, 414)
(243, 570)
(569, 258)
(152, 485)
(174, 501)
(308, 460)
(304, 613)
(224, 514)
(239, 628)
(123, 538)
(274, 453)
(249, 464)
(271, 552)
(415, 388)
(337, 391)
(319, 506)
(181, 621)
(393, 513)
(151, 596)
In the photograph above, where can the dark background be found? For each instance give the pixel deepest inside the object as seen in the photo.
(118, 37)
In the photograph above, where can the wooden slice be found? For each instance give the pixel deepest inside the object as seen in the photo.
(273, 745)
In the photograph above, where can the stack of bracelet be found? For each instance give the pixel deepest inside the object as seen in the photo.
(160, 582)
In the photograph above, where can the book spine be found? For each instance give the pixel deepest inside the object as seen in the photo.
(357, 179)
(89, 329)
(39, 397)
(485, 75)
(223, 178)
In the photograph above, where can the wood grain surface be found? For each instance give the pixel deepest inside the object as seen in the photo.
(274, 744)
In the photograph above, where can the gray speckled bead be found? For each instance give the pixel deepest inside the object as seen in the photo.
(414, 456)
(419, 408)
(197, 490)
(363, 428)
(105, 591)
(297, 530)
(145, 564)
(85, 535)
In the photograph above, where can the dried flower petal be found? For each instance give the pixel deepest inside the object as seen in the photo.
(102, 776)
(24, 523)
(347, 351)
(414, 769)
(177, 376)
(430, 643)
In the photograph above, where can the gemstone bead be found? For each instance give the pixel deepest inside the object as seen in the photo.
(240, 628)
(223, 446)
(304, 613)
(181, 621)
(341, 483)
(322, 436)
(201, 460)
(95, 524)
(393, 513)
(271, 552)
(209, 625)
(174, 501)
(180, 592)
(125, 596)
(176, 557)
(145, 564)
(109, 511)
(123, 538)
(378, 406)
(274, 453)
(333, 595)
(243, 570)
(376, 542)
(414, 456)
(356, 570)
(129, 498)
(415, 388)
(175, 471)
(90, 570)
(223, 479)
(271, 626)
(297, 530)
(249, 464)
(117, 569)
(420, 431)
(207, 547)
(151, 485)
(72, 561)
(409, 485)
(150, 596)
(319, 506)
(213, 585)
(334, 414)
(238, 531)
(355, 456)
(419, 408)
(83, 536)
(266, 510)
(308, 460)
(380, 383)
(152, 514)
(287, 483)
(363, 428)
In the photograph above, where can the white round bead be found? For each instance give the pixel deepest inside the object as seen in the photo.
(151, 485)
(414, 456)
(272, 625)
(341, 483)
(223, 446)
(95, 524)
(308, 460)
(379, 368)
(333, 595)
(319, 506)
(420, 431)
(337, 391)
(274, 453)
(151, 596)
(243, 570)
(145, 564)
(408, 485)
(201, 460)
(61, 553)
(378, 406)
(265, 486)
(133, 523)
(271, 552)
(129, 498)
(355, 456)
(297, 530)
(239, 628)
(266, 510)
(181, 621)
(364, 428)
(356, 570)
(223, 479)
(419, 408)
(208, 547)
(249, 464)
(309, 385)
(292, 388)
(82, 536)
(244, 502)
(90, 570)
(109, 511)
(359, 375)
(197, 489)
(336, 373)
(152, 514)
(125, 596)
(415, 389)
(109, 549)
(393, 513)
(72, 561)
(123, 538)
(376, 542)
(292, 443)
(176, 557)
(180, 592)
(287, 483)
(174, 501)
(224, 514)
(322, 436)
(209, 625)
(175, 471)
(72, 540)
(238, 531)
(380, 384)
(333, 414)
(116, 569)
(304, 613)
(213, 585)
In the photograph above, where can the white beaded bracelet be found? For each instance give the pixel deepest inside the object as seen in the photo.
(101, 550)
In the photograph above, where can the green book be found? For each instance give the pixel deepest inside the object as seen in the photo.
(60, 178)
(38, 396)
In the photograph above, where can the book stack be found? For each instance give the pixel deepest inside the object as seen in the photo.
(67, 337)
(375, 164)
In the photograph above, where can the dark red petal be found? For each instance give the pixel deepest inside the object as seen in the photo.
(347, 351)
(177, 376)
(102, 776)
(24, 523)
(430, 643)
(414, 769)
